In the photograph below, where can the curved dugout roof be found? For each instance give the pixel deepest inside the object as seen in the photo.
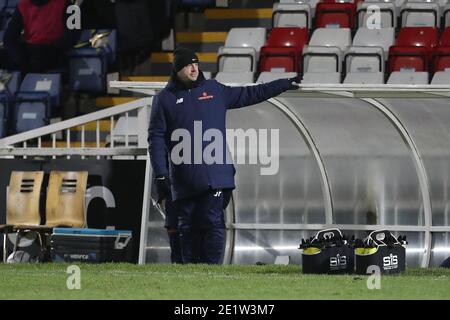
(386, 163)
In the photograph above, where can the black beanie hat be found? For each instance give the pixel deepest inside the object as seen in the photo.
(182, 57)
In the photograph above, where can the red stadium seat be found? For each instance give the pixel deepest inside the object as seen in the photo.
(283, 49)
(408, 58)
(279, 58)
(341, 15)
(414, 49)
(288, 37)
(418, 37)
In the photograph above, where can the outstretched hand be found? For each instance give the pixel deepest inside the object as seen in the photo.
(295, 82)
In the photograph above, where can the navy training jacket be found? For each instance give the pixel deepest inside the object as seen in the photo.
(178, 107)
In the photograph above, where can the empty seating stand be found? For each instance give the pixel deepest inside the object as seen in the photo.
(321, 64)
(36, 102)
(384, 38)
(322, 58)
(89, 61)
(335, 15)
(413, 50)
(364, 64)
(338, 38)
(283, 50)
(420, 14)
(241, 50)
(365, 60)
(366, 14)
(291, 15)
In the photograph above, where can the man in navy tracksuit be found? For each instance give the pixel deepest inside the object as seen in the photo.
(201, 189)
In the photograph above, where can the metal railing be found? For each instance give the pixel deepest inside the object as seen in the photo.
(43, 141)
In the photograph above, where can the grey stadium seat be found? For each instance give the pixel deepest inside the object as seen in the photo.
(321, 78)
(398, 77)
(270, 76)
(235, 77)
(291, 15)
(241, 50)
(364, 78)
(383, 38)
(420, 14)
(441, 77)
(388, 14)
(340, 38)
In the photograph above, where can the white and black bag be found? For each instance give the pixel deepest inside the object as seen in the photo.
(382, 249)
(328, 252)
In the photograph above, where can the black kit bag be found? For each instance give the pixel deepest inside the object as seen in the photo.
(328, 252)
(382, 249)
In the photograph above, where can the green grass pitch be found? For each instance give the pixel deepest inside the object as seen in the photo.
(202, 282)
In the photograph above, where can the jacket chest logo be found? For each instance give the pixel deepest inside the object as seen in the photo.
(179, 101)
(205, 96)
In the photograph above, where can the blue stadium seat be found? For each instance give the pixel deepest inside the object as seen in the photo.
(89, 60)
(31, 111)
(36, 101)
(49, 83)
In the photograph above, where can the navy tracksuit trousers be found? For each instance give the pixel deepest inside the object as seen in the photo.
(172, 231)
(202, 226)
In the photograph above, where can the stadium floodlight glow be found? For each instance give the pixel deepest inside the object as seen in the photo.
(415, 250)
(441, 249)
(158, 248)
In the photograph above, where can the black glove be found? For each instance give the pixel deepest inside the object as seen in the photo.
(295, 81)
(162, 188)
